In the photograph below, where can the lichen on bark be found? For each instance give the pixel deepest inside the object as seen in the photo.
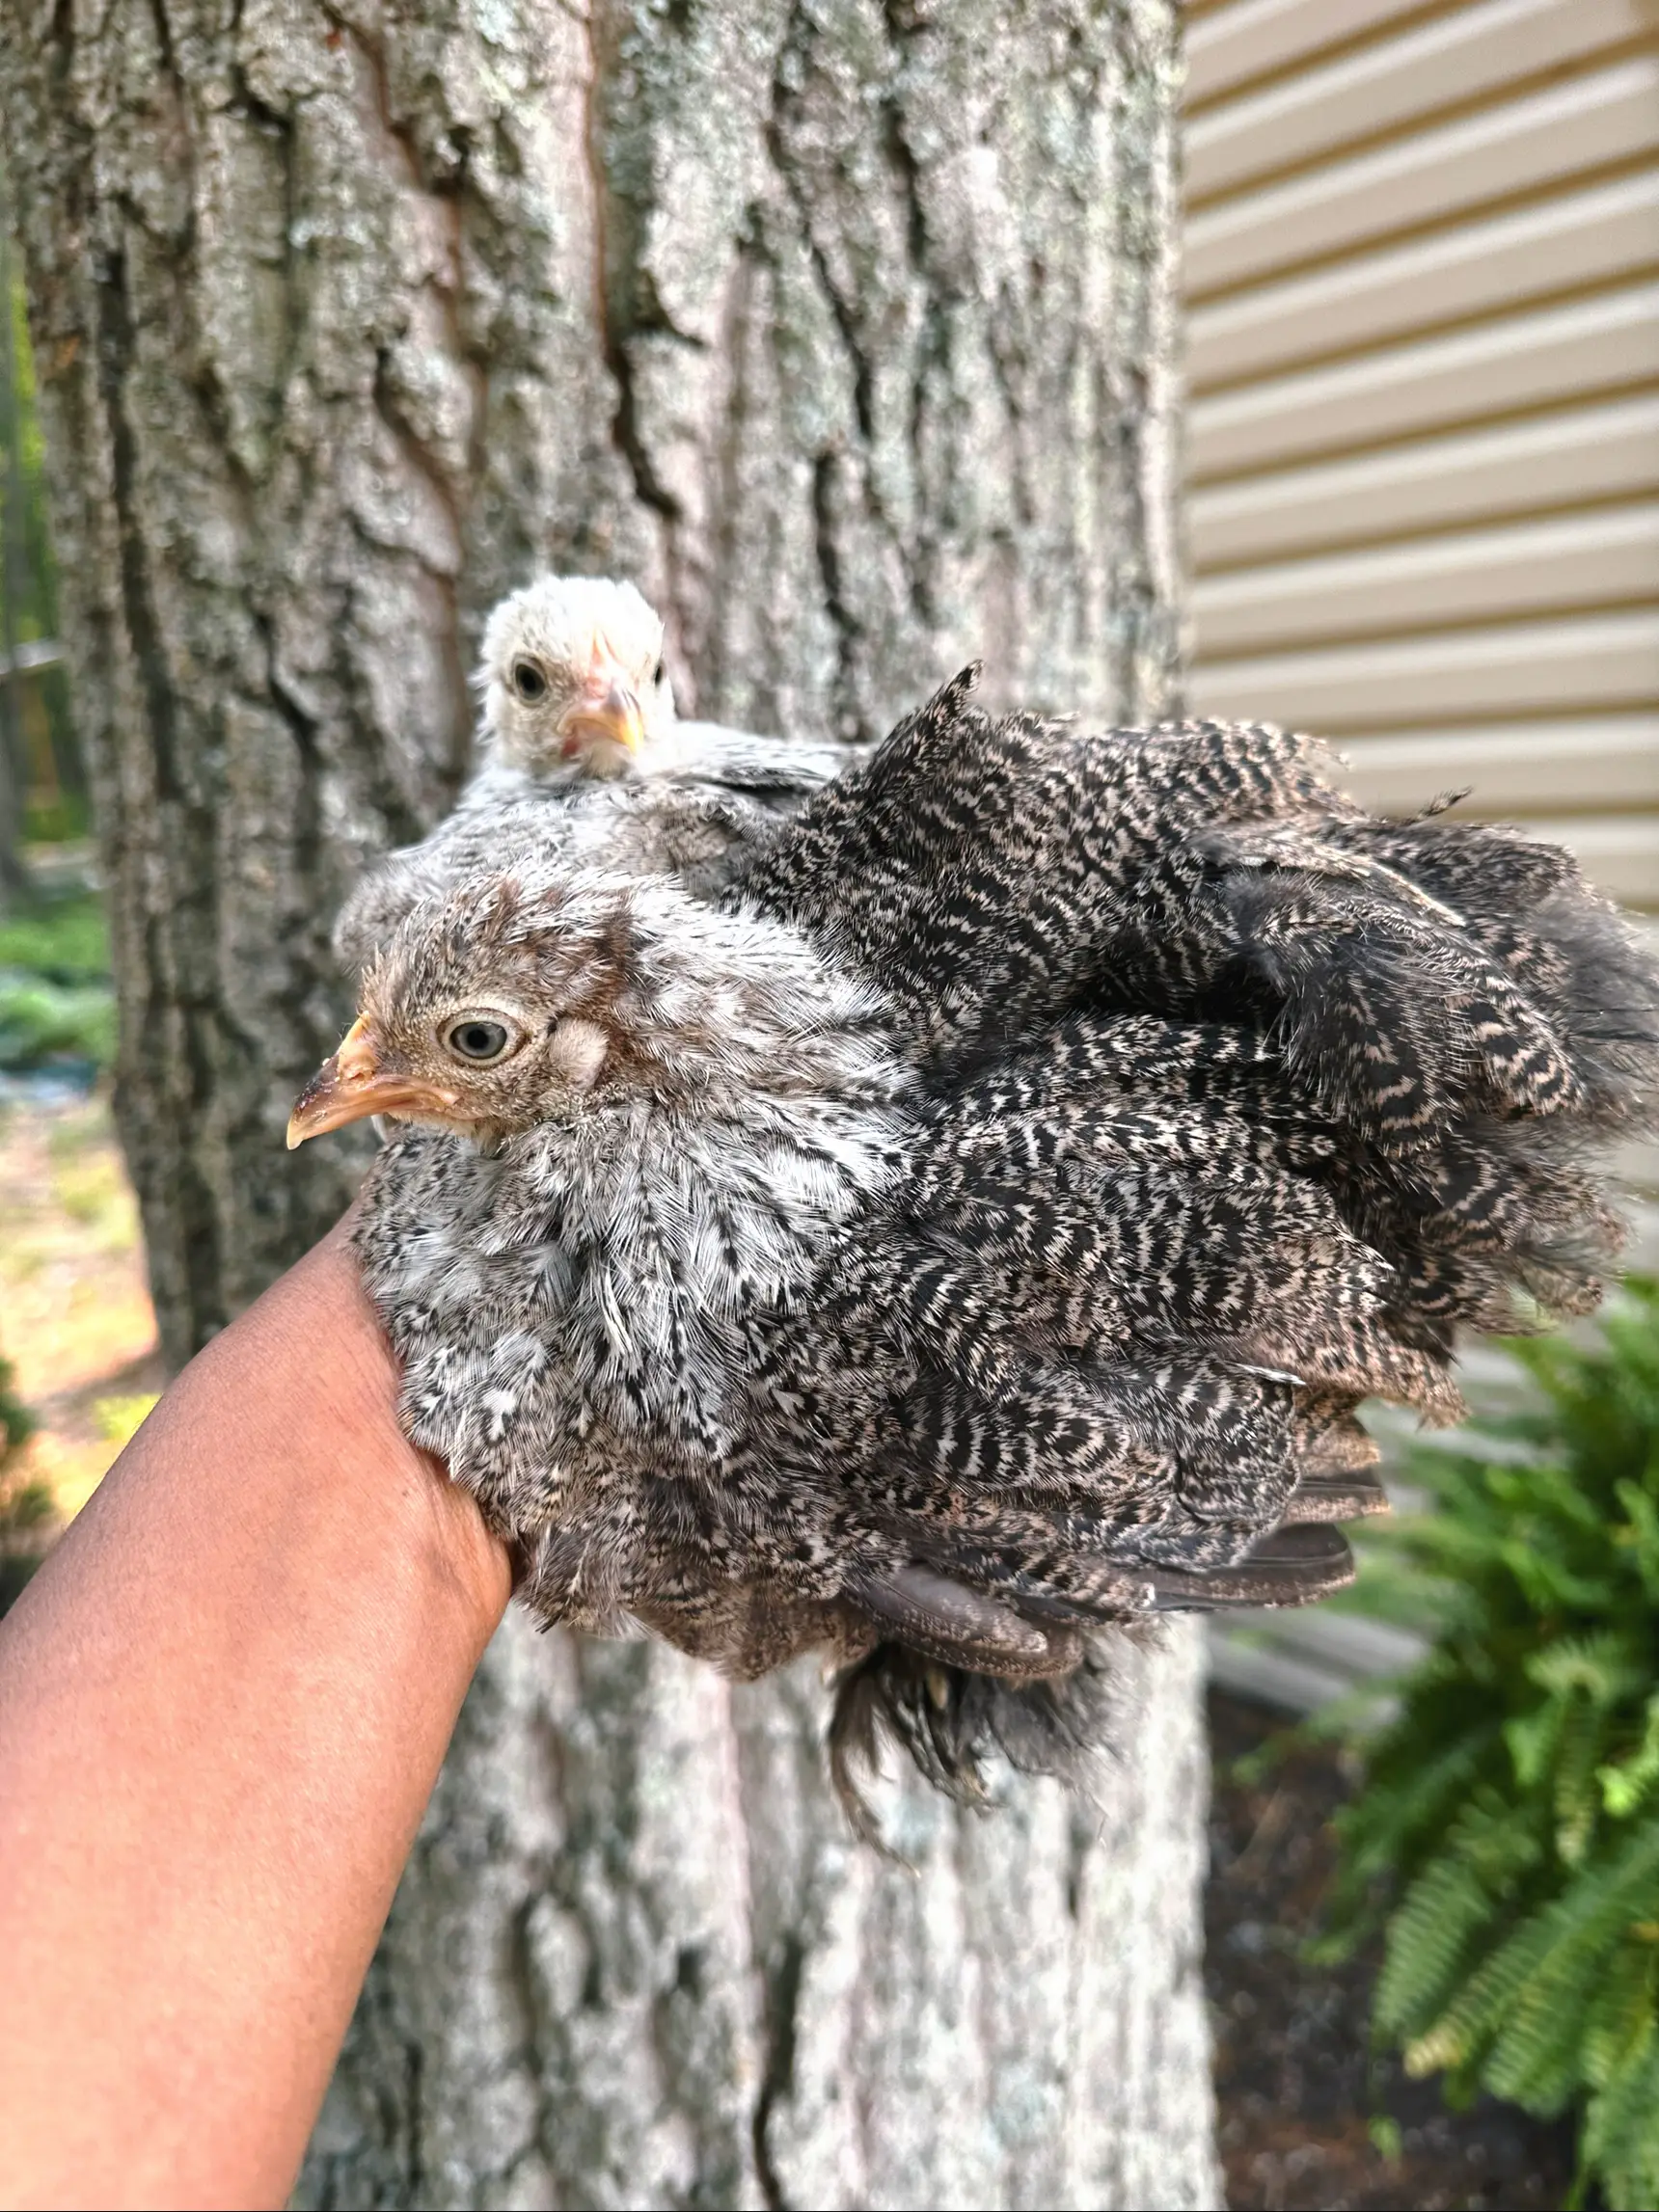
(847, 328)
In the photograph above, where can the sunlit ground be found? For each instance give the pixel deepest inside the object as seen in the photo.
(75, 1317)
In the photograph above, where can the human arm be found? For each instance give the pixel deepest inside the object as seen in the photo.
(224, 1701)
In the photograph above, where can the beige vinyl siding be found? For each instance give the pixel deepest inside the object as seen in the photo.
(1526, 146)
(1320, 109)
(1422, 444)
(1569, 453)
(1538, 768)
(1423, 284)
(1232, 45)
(1443, 680)
(1481, 267)
(1577, 559)
(1425, 381)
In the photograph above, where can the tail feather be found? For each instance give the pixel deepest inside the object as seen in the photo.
(1292, 1565)
(951, 1722)
(1242, 1104)
(1333, 1497)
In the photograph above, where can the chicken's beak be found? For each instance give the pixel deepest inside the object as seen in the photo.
(608, 711)
(351, 1084)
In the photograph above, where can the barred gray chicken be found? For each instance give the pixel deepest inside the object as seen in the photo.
(983, 1227)
(581, 750)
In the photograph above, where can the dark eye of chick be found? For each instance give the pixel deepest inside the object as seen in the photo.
(528, 682)
(658, 673)
(477, 1038)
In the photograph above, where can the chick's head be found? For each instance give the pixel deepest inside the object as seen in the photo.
(486, 1013)
(572, 678)
(538, 991)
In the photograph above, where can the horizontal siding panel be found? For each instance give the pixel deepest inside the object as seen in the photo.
(1283, 1679)
(1302, 1662)
(1577, 238)
(1469, 576)
(1462, 56)
(1517, 362)
(1582, 453)
(1229, 45)
(1423, 441)
(1544, 668)
(1594, 764)
(1636, 1167)
(1523, 145)
(1619, 856)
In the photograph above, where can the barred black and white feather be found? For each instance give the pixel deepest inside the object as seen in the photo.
(982, 1230)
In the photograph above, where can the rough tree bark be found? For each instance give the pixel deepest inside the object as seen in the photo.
(14, 875)
(846, 327)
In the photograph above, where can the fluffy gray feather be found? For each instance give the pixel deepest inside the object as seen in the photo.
(982, 1228)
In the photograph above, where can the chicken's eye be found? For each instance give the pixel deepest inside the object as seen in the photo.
(479, 1038)
(528, 681)
(658, 673)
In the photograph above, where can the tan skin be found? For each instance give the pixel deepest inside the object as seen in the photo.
(224, 1701)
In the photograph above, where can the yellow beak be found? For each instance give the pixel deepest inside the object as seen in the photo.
(607, 713)
(350, 1085)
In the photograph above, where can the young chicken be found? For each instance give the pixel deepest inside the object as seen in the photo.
(675, 1247)
(581, 748)
(985, 1225)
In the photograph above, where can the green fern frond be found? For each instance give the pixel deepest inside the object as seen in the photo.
(1621, 2016)
(1429, 1939)
(1619, 2143)
(1509, 1828)
(1604, 1664)
(1577, 1800)
(1626, 1783)
(1378, 1832)
(1640, 1534)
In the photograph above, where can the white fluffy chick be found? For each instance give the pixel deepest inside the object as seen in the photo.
(572, 683)
(582, 752)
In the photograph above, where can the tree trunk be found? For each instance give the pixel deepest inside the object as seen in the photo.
(14, 875)
(637, 1960)
(846, 328)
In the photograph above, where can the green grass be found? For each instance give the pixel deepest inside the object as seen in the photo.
(62, 940)
(56, 1003)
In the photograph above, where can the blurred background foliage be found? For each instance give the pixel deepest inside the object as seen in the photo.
(1508, 1828)
(51, 778)
(57, 1012)
(26, 1503)
(72, 1309)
